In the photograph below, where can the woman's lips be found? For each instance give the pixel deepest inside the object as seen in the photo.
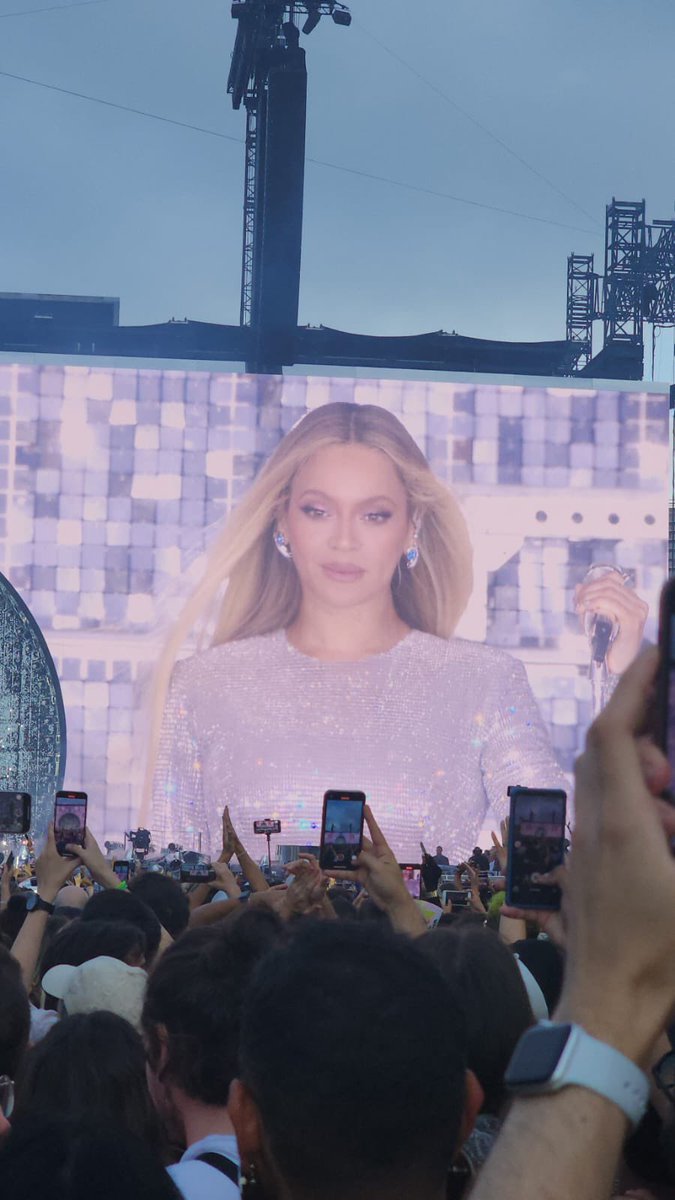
(342, 572)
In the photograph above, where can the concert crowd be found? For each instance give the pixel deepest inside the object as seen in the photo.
(337, 1037)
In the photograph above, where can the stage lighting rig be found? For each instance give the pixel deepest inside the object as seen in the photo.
(268, 76)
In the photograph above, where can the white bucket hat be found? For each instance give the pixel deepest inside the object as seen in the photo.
(101, 984)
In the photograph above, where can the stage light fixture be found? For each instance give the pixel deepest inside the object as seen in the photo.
(313, 18)
(341, 16)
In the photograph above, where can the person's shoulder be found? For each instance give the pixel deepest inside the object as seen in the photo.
(457, 652)
(243, 655)
(198, 1181)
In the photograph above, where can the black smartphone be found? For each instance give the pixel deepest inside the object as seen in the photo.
(15, 812)
(665, 684)
(412, 878)
(70, 820)
(536, 845)
(122, 869)
(341, 830)
(197, 873)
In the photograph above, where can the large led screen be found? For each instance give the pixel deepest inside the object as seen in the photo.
(115, 482)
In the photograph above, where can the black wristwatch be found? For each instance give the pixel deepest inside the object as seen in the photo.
(35, 903)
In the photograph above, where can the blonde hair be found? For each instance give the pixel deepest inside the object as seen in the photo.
(262, 589)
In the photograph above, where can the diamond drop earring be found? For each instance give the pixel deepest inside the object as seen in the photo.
(282, 545)
(412, 555)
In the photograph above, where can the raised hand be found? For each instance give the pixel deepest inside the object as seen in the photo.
(378, 871)
(501, 844)
(307, 895)
(93, 858)
(610, 597)
(230, 837)
(225, 881)
(52, 870)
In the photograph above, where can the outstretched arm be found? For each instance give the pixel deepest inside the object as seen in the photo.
(620, 972)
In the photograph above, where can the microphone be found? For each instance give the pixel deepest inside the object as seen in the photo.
(601, 638)
(601, 630)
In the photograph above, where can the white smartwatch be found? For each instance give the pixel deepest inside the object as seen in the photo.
(551, 1056)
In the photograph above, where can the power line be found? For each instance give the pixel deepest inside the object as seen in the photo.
(140, 112)
(28, 12)
(413, 187)
(474, 121)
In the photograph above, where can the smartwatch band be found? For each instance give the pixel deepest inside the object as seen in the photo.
(603, 1069)
(582, 1061)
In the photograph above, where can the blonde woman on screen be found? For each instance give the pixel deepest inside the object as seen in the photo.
(333, 592)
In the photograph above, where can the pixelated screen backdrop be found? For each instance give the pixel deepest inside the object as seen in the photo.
(111, 480)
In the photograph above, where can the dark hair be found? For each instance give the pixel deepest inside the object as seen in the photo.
(117, 904)
(90, 1067)
(13, 915)
(166, 899)
(79, 941)
(493, 996)
(14, 1015)
(50, 1154)
(352, 1047)
(195, 992)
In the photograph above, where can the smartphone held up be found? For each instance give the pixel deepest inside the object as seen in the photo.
(536, 846)
(341, 830)
(15, 813)
(664, 730)
(70, 820)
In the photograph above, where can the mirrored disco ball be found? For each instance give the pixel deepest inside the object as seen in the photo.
(32, 717)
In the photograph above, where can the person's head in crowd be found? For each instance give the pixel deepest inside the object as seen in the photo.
(342, 903)
(116, 904)
(71, 896)
(79, 941)
(439, 849)
(90, 1067)
(63, 1157)
(493, 998)
(353, 1078)
(99, 985)
(545, 963)
(14, 1015)
(12, 917)
(369, 911)
(166, 898)
(192, 1012)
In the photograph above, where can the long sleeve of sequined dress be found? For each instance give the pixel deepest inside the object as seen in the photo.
(517, 748)
(178, 809)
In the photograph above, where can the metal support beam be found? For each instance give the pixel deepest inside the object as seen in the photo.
(582, 305)
(625, 243)
(249, 211)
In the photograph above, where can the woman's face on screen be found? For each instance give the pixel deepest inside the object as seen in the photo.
(348, 524)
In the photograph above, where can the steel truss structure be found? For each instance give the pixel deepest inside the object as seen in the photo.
(638, 287)
(268, 76)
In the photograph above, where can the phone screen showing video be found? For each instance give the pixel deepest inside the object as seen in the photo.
(70, 819)
(536, 846)
(122, 868)
(14, 812)
(341, 830)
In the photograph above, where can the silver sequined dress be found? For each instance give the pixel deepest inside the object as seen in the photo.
(433, 731)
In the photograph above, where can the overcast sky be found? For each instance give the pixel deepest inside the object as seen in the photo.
(102, 202)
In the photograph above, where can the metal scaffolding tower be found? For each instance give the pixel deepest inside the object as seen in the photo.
(582, 305)
(269, 76)
(638, 288)
(625, 244)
